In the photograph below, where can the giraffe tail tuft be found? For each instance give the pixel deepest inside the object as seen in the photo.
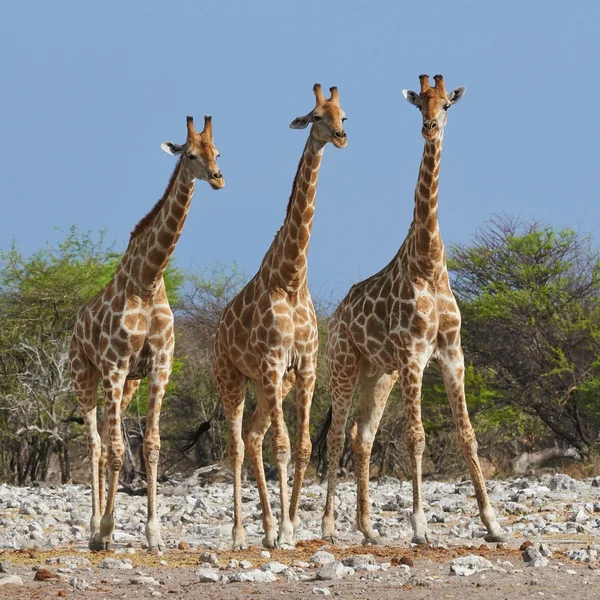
(191, 438)
(320, 445)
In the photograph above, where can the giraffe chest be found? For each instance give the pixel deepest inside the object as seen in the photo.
(131, 332)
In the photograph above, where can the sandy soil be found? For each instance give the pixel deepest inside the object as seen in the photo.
(430, 579)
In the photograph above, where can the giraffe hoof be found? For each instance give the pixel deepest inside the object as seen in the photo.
(239, 547)
(157, 550)
(419, 540)
(371, 541)
(499, 537)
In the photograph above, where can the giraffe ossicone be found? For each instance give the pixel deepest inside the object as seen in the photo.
(387, 329)
(125, 333)
(268, 335)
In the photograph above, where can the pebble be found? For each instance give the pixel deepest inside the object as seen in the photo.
(143, 580)
(11, 580)
(114, 563)
(321, 591)
(253, 575)
(194, 512)
(333, 570)
(469, 565)
(207, 576)
(321, 558)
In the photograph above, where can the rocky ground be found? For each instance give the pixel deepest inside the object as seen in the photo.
(553, 525)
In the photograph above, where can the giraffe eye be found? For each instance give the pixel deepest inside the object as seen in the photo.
(316, 118)
(446, 106)
(192, 156)
(344, 119)
(218, 156)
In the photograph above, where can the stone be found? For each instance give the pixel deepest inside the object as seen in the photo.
(11, 580)
(333, 570)
(321, 591)
(245, 564)
(207, 576)
(5, 566)
(43, 574)
(255, 575)
(359, 561)
(210, 558)
(274, 566)
(533, 558)
(562, 482)
(78, 583)
(265, 554)
(183, 546)
(322, 558)
(469, 565)
(114, 563)
(143, 580)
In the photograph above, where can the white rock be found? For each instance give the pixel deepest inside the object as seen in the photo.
(265, 554)
(469, 565)
(322, 558)
(207, 576)
(253, 575)
(321, 591)
(11, 580)
(143, 580)
(333, 570)
(274, 566)
(113, 563)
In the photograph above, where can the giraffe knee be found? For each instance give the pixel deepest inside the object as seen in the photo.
(303, 452)
(116, 455)
(281, 448)
(415, 441)
(152, 452)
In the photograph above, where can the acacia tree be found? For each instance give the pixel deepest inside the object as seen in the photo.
(39, 299)
(530, 300)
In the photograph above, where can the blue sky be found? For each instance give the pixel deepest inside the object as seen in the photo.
(90, 90)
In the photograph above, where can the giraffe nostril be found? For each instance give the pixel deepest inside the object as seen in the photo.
(340, 134)
(217, 175)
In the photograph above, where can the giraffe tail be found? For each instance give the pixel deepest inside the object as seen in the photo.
(320, 445)
(191, 438)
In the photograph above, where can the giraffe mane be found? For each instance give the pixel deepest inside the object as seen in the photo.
(295, 184)
(146, 221)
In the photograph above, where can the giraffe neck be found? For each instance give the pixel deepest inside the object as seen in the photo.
(426, 248)
(160, 230)
(290, 251)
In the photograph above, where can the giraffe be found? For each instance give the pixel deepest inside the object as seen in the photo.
(125, 333)
(268, 335)
(387, 328)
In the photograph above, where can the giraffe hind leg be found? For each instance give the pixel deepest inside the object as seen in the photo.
(254, 435)
(85, 384)
(374, 392)
(343, 377)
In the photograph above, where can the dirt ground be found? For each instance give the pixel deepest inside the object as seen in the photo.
(430, 579)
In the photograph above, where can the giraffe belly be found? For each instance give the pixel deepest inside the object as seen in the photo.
(142, 364)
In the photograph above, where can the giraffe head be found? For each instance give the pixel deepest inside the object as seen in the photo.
(433, 102)
(199, 154)
(327, 118)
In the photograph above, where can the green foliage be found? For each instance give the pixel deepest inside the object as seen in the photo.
(530, 300)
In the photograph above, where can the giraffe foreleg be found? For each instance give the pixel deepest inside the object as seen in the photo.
(343, 375)
(410, 381)
(85, 383)
(451, 363)
(374, 392)
(157, 385)
(272, 382)
(305, 386)
(113, 394)
(254, 434)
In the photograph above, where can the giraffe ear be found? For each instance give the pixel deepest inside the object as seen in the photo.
(457, 94)
(301, 122)
(171, 148)
(411, 97)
